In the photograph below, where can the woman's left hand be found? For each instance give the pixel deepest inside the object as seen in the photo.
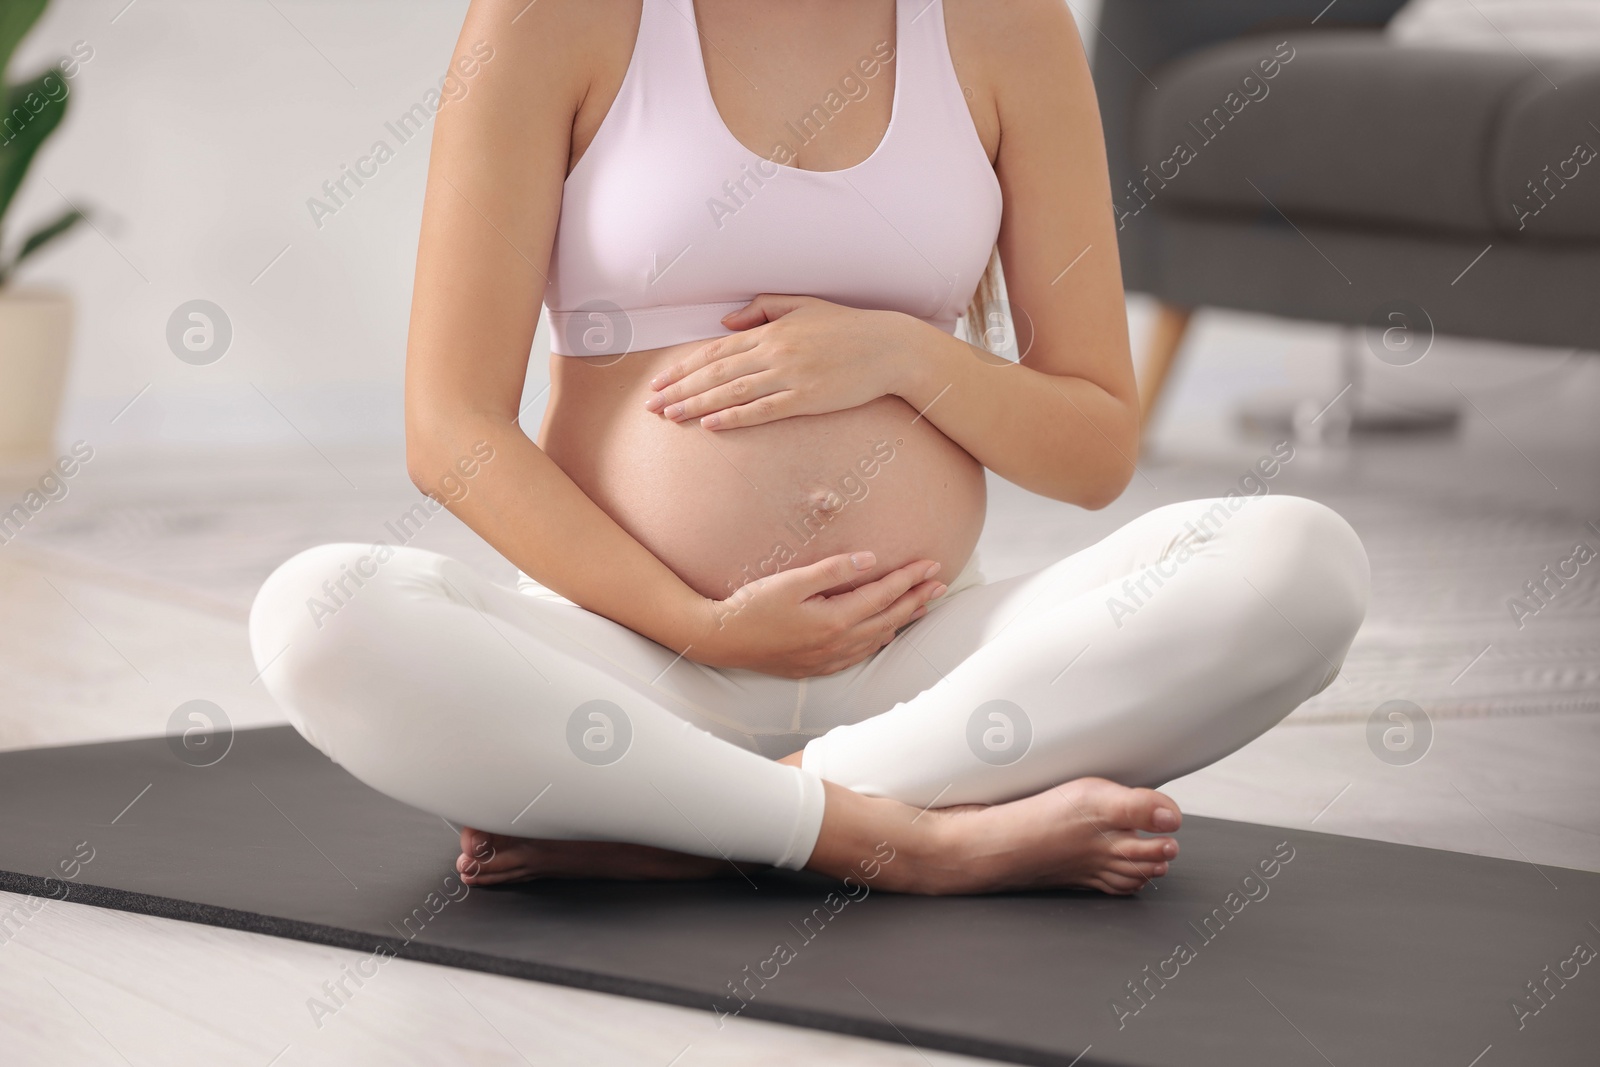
(795, 355)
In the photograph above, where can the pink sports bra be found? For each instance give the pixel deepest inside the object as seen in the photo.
(668, 222)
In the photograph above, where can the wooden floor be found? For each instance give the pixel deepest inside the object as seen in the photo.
(129, 597)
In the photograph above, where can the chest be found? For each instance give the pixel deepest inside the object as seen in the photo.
(816, 93)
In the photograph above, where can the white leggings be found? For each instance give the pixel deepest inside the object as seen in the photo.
(1169, 644)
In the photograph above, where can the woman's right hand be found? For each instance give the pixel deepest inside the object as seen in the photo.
(783, 624)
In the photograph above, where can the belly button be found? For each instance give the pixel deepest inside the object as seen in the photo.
(824, 499)
(815, 511)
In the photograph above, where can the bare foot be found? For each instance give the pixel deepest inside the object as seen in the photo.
(1084, 833)
(493, 859)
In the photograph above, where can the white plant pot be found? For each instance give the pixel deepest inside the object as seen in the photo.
(35, 342)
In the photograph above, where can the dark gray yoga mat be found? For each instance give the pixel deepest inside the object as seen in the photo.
(1351, 952)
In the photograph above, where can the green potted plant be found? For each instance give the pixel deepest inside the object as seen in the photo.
(35, 324)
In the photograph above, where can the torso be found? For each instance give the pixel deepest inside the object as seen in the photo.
(720, 508)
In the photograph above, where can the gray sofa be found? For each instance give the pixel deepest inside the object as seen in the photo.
(1346, 177)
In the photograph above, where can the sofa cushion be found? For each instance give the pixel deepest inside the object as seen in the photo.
(1544, 167)
(1341, 126)
(1530, 25)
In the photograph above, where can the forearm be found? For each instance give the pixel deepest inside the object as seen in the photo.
(527, 507)
(1061, 436)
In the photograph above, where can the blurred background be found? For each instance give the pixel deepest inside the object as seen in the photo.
(1383, 255)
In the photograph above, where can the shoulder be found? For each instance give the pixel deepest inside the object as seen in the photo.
(1015, 44)
(563, 42)
(1010, 30)
(1019, 61)
(572, 17)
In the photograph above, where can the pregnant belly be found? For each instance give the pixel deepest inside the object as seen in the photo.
(721, 508)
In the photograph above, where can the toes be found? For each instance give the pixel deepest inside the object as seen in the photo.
(1141, 871)
(484, 853)
(510, 874)
(1153, 811)
(1129, 846)
(471, 868)
(472, 864)
(1117, 884)
(477, 844)
(1115, 806)
(1147, 849)
(1145, 809)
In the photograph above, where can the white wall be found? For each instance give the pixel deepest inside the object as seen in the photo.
(196, 134)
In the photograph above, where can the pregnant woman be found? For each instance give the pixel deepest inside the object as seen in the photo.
(750, 626)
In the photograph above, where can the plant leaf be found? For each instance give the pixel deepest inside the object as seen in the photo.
(39, 238)
(30, 115)
(16, 19)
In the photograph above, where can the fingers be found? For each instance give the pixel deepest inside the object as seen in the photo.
(747, 401)
(733, 376)
(878, 628)
(766, 307)
(764, 409)
(812, 579)
(839, 630)
(706, 354)
(875, 612)
(877, 597)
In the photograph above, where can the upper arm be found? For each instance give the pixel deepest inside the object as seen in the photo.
(493, 200)
(1058, 240)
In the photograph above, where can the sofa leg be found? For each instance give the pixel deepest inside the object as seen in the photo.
(1172, 323)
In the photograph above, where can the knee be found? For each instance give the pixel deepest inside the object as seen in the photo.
(288, 601)
(1312, 565)
(321, 602)
(318, 630)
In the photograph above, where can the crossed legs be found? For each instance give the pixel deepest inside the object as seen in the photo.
(1170, 643)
